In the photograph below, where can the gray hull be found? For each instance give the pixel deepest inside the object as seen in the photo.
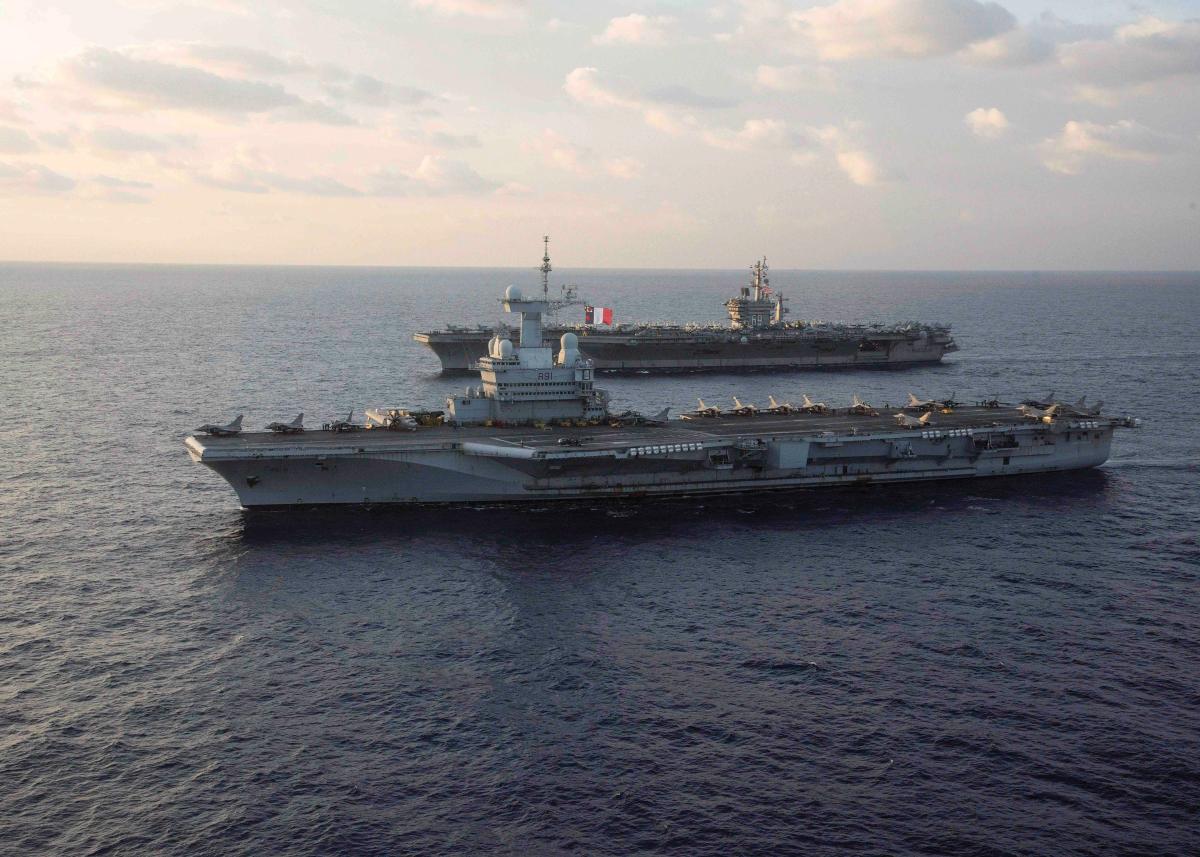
(704, 457)
(458, 351)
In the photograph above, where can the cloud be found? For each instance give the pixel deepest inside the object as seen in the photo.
(1135, 57)
(854, 29)
(794, 78)
(28, 179)
(859, 165)
(1081, 142)
(107, 138)
(757, 133)
(490, 9)
(583, 85)
(624, 168)
(364, 89)
(1015, 48)
(339, 83)
(447, 140)
(986, 122)
(14, 141)
(683, 96)
(436, 175)
(127, 184)
(141, 83)
(558, 152)
(246, 61)
(635, 29)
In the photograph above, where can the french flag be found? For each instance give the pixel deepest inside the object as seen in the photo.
(597, 315)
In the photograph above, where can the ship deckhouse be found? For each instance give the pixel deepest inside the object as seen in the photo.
(528, 384)
(755, 307)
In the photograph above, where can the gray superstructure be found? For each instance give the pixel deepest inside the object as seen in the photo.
(758, 336)
(536, 429)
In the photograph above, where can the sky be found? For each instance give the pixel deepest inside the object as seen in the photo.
(852, 134)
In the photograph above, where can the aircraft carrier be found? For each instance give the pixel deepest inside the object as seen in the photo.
(757, 337)
(537, 429)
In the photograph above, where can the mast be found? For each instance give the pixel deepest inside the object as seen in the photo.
(546, 269)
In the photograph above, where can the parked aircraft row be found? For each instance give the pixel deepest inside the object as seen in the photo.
(296, 426)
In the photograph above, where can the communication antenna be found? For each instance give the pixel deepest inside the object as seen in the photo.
(546, 269)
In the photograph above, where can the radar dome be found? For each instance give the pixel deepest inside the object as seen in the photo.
(569, 342)
(512, 293)
(506, 348)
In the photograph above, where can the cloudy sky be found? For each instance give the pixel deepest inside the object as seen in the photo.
(845, 134)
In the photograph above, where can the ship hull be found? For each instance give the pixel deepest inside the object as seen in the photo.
(458, 352)
(731, 456)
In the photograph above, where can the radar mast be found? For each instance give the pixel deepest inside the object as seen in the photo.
(546, 269)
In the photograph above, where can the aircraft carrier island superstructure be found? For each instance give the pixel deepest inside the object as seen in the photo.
(757, 337)
(536, 429)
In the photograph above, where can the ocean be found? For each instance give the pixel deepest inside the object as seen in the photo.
(1004, 667)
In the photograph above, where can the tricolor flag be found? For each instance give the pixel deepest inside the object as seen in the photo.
(597, 315)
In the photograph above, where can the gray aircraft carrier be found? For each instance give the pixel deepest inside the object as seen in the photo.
(757, 337)
(537, 429)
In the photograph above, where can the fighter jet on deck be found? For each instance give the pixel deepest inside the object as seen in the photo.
(226, 430)
(294, 427)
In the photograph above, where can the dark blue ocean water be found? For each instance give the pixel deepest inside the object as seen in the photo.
(1004, 667)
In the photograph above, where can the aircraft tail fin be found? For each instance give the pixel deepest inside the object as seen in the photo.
(662, 416)
(808, 403)
(237, 423)
(299, 420)
(913, 401)
(925, 420)
(703, 406)
(771, 402)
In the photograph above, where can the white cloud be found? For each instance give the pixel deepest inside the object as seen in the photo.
(794, 78)
(635, 29)
(987, 122)
(436, 175)
(859, 165)
(14, 141)
(110, 139)
(1015, 48)
(557, 151)
(1137, 56)
(1080, 142)
(852, 29)
(624, 168)
(583, 85)
(490, 9)
(26, 179)
(136, 83)
(756, 133)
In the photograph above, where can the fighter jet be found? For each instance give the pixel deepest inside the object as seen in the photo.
(294, 427)
(345, 425)
(633, 418)
(702, 412)
(775, 407)
(741, 410)
(861, 408)
(915, 404)
(1040, 405)
(811, 407)
(913, 422)
(1058, 409)
(227, 430)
